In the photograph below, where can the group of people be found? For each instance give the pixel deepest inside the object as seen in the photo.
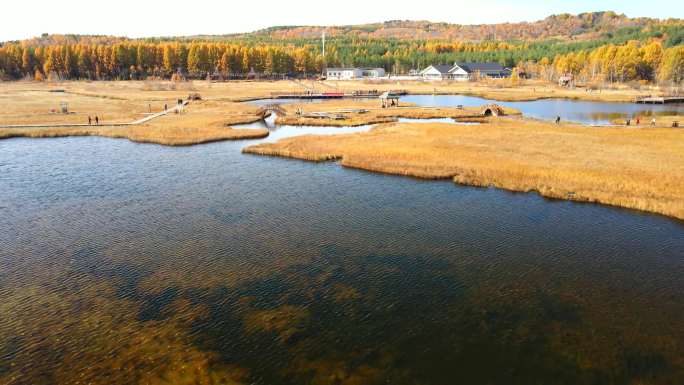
(386, 103)
(90, 120)
(628, 122)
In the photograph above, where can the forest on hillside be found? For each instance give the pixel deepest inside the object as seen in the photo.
(620, 49)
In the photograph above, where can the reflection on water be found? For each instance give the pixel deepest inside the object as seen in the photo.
(277, 132)
(435, 120)
(263, 102)
(133, 263)
(569, 110)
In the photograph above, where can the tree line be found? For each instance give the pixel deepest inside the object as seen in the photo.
(658, 58)
(128, 60)
(615, 63)
(139, 60)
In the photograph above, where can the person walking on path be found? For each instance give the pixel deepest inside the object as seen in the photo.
(97, 121)
(165, 107)
(653, 122)
(90, 120)
(638, 120)
(558, 119)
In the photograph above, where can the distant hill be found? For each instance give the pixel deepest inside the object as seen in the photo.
(585, 26)
(49, 39)
(565, 26)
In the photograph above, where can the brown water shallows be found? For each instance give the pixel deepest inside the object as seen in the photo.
(639, 168)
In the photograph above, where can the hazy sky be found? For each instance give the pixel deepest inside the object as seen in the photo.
(140, 18)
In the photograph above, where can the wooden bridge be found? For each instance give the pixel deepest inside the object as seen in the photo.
(271, 108)
(333, 94)
(660, 99)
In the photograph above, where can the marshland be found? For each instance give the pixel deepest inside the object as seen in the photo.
(420, 243)
(482, 200)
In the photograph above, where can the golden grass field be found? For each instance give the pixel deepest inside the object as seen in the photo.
(201, 122)
(638, 168)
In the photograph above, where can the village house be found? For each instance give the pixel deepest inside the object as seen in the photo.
(372, 73)
(464, 71)
(436, 72)
(565, 80)
(354, 73)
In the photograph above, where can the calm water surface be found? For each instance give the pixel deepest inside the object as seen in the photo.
(569, 110)
(137, 263)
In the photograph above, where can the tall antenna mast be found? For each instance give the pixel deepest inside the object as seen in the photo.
(325, 64)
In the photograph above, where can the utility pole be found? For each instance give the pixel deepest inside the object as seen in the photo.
(325, 63)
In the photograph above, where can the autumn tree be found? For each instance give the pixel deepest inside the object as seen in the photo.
(672, 67)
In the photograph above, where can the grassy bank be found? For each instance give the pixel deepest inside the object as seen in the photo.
(176, 136)
(629, 167)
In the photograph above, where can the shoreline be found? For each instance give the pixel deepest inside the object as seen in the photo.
(482, 95)
(415, 150)
(173, 139)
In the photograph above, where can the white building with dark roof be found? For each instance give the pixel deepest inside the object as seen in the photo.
(436, 72)
(464, 71)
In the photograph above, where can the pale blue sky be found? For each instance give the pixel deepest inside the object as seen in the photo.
(140, 18)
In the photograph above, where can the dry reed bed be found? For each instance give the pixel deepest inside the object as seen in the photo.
(176, 136)
(638, 168)
(349, 121)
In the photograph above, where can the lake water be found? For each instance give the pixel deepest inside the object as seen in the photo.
(137, 263)
(569, 110)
